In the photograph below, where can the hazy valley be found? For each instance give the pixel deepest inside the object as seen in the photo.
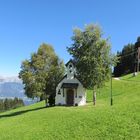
(11, 87)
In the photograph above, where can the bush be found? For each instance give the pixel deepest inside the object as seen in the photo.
(51, 100)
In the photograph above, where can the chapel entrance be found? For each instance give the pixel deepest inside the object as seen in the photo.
(70, 97)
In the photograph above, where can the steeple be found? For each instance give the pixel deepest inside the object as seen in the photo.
(70, 70)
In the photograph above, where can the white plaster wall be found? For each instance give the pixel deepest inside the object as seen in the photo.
(59, 99)
(81, 96)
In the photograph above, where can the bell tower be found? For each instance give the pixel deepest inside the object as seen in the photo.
(70, 70)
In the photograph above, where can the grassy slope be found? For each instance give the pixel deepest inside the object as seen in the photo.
(121, 121)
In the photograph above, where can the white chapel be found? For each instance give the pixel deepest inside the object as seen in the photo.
(70, 90)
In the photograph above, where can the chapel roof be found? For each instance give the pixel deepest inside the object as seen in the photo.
(70, 85)
(70, 61)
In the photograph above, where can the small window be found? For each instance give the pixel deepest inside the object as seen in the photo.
(70, 66)
(70, 71)
(80, 96)
(59, 92)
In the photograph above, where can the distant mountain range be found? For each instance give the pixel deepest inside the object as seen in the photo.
(14, 79)
(11, 87)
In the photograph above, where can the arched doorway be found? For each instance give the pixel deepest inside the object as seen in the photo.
(70, 97)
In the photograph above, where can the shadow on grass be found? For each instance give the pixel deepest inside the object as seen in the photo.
(89, 101)
(20, 112)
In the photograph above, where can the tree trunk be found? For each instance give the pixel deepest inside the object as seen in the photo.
(46, 101)
(94, 97)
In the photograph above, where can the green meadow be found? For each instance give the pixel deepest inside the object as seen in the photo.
(101, 122)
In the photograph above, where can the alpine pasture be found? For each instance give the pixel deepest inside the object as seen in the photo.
(101, 122)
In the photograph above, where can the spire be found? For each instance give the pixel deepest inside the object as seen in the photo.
(70, 69)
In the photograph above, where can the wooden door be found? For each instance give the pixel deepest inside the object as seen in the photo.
(70, 97)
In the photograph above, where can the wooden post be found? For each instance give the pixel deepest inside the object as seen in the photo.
(94, 96)
(111, 99)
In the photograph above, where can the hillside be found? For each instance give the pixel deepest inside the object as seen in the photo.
(103, 122)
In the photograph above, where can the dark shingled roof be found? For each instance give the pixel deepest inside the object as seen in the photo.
(70, 85)
(70, 61)
(62, 78)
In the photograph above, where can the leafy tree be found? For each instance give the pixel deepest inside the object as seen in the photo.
(127, 61)
(91, 54)
(1, 105)
(41, 73)
(17, 102)
(7, 104)
(138, 39)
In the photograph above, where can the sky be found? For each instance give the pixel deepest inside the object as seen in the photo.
(26, 24)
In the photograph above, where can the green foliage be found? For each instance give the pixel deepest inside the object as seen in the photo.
(118, 122)
(92, 56)
(51, 100)
(2, 108)
(6, 104)
(41, 73)
(138, 39)
(127, 61)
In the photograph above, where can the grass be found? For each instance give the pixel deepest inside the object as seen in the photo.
(103, 122)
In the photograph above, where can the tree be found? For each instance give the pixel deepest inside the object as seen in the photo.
(7, 104)
(127, 60)
(41, 73)
(1, 105)
(92, 57)
(138, 39)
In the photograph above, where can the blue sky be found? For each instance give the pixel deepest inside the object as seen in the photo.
(25, 24)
